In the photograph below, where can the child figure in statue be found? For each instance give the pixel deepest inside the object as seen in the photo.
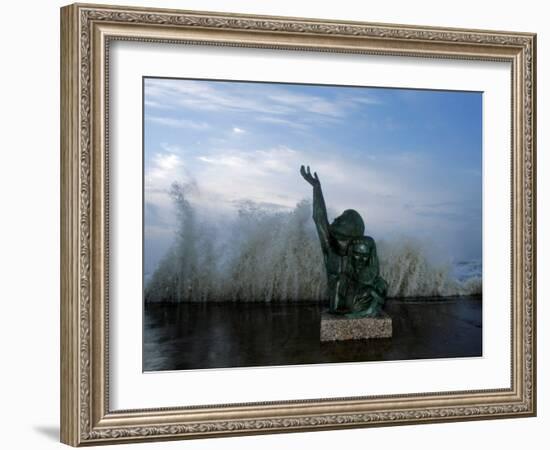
(355, 286)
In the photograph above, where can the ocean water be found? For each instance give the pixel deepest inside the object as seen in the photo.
(261, 256)
(467, 270)
(214, 335)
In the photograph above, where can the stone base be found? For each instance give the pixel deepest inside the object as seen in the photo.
(341, 328)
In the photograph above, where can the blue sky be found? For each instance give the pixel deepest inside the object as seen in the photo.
(410, 161)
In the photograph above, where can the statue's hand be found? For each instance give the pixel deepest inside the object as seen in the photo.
(311, 179)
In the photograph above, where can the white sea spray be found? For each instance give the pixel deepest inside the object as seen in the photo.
(261, 255)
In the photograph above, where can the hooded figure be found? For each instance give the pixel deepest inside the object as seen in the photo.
(355, 287)
(349, 224)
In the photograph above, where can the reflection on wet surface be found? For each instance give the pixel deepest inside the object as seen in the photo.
(204, 336)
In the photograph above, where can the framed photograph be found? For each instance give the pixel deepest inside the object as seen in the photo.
(276, 224)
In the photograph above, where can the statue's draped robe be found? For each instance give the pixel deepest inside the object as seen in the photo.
(350, 290)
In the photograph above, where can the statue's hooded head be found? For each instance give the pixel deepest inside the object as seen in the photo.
(348, 225)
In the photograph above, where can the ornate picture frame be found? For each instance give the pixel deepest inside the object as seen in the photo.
(87, 31)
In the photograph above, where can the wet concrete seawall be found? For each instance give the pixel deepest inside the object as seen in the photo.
(220, 335)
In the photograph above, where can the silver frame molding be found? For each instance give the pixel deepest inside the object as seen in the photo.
(86, 31)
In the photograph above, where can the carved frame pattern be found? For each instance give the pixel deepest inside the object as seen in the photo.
(86, 418)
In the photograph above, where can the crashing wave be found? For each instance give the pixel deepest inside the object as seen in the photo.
(266, 256)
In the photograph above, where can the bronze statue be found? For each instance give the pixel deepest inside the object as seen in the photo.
(355, 286)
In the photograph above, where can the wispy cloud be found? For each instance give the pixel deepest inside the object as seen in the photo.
(378, 188)
(283, 122)
(177, 123)
(165, 167)
(308, 103)
(275, 103)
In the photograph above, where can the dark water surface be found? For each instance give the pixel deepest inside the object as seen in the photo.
(215, 335)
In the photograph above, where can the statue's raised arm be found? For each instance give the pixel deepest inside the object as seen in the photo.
(319, 209)
(355, 287)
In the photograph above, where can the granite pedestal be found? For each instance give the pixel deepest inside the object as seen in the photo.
(340, 328)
